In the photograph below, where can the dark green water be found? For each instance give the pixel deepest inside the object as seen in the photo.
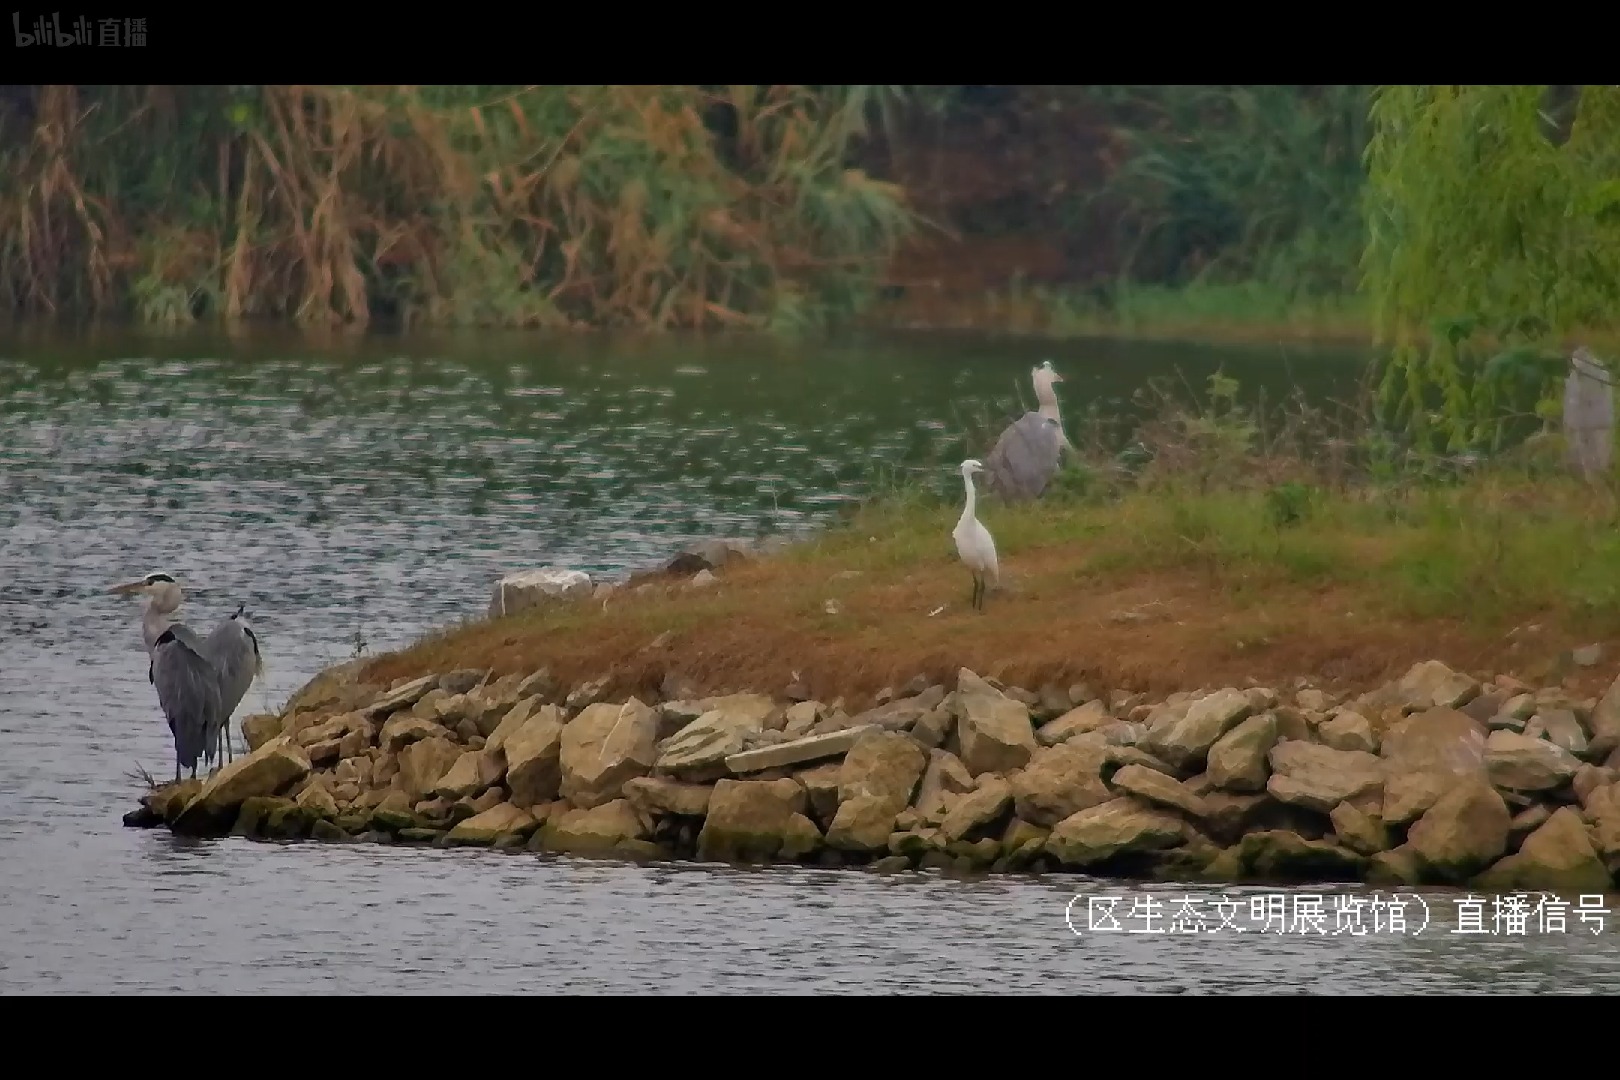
(378, 489)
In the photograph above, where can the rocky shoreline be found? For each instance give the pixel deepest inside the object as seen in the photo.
(1434, 779)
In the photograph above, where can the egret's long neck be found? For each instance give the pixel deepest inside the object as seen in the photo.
(967, 510)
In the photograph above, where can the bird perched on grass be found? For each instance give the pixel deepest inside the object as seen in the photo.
(973, 541)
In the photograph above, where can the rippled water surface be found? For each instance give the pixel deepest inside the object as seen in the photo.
(364, 494)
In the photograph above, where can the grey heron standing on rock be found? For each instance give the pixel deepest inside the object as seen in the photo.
(234, 649)
(187, 682)
(199, 681)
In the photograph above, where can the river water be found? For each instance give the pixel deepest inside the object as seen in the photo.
(357, 495)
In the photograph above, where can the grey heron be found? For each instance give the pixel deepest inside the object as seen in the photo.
(1029, 451)
(234, 649)
(187, 681)
(1044, 377)
(973, 541)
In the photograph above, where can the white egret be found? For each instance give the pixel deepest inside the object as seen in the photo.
(973, 542)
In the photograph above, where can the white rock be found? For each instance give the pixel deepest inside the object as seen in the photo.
(531, 588)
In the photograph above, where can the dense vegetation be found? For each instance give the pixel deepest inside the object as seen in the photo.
(1493, 248)
(1480, 222)
(671, 206)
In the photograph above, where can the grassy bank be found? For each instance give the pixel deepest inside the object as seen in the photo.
(1213, 553)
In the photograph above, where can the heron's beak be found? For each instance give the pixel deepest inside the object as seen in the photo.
(1056, 377)
(128, 587)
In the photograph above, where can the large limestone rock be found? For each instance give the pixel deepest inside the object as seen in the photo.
(317, 797)
(757, 821)
(1560, 727)
(1517, 762)
(1426, 754)
(1603, 809)
(994, 730)
(707, 741)
(1358, 830)
(422, 763)
(796, 751)
(333, 690)
(473, 772)
(1185, 742)
(1239, 760)
(1426, 685)
(401, 697)
(595, 830)
(1059, 782)
(882, 764)
(533, 755)
(1463, 832)
(1088, 717)
(979, 808)
(494, 823)
(514, 718)
(1348, 731)
(604, 746)
(1604, 723)
(821, 785)
(259, 729)
(1112, 828)
(902, 714)
(267, 771)
(1228, 815)
(403, 729)
(1319, 777)
(1154, 787)
(1558, 857)
(1279, 855)
(534, 588)
(875, 783)
(655, 796)
(944, 776)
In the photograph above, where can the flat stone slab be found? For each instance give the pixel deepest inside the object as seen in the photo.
(402, 698)
(808, 748)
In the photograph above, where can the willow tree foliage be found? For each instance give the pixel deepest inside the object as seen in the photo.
(1493, 244)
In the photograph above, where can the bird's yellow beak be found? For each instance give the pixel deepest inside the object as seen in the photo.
(128, 587)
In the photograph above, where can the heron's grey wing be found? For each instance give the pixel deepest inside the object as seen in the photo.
(234, 650)
(1025, 458)
(187, 687)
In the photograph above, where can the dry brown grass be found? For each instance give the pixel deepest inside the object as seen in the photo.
(1112, 605)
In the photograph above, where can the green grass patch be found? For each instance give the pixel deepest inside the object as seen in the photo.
(1492, 548)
